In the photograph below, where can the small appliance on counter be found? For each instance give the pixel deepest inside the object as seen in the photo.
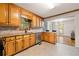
(47, 30)
(53, 30)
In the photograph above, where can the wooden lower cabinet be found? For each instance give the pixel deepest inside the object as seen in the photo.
(52, 37)
(16, 44)
(10, 46)
(19, 43)
(26, 41)
(32, 39)
(48, 37)
(44, 36)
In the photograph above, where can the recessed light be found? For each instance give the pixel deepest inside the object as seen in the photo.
(51, 5)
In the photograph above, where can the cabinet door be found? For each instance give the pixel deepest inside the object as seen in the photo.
(46, 36)
(14, 15)
(52, 38)
(3, 14)
(32, 39)
(10, 48)
(19, 45)
(42, 36)
(38, 22)
(34, 22)
(26, 41)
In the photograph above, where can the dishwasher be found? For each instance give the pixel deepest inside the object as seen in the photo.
(38, 38)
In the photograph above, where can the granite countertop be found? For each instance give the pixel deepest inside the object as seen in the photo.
(8, 35)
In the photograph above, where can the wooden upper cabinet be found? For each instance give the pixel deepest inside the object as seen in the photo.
(26, 14)
(38, 22)
(34, 21)
(3, 14)
(14, 15)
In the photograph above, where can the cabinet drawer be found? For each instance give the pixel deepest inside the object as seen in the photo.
(32, 34)
(10, 38)
(18, 37)
(26, 36)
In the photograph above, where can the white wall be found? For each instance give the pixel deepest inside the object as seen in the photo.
(77, 30)
(68, 27)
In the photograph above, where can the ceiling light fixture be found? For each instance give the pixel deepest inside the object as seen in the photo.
(51, 5)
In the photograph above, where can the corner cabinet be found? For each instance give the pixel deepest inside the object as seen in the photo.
(3, 14)
(49, 37)
(14, 15)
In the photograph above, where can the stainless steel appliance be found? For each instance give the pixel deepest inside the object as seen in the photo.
(38, 38)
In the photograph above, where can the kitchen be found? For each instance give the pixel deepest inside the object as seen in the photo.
(16, 24)
(26, 29)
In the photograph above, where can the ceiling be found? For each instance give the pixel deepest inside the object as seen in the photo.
(43, 11)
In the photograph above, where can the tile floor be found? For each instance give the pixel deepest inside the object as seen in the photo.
(47, 49)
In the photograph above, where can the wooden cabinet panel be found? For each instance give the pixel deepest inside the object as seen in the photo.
(42, 35)
(10, 46)
(26, 14)
(52, 37)
(38, 22)
(32, 39)
(14, 15)
(46, 36)
(34, 21)
(19, 43)
(49, 37)
(3, 14)
(26, 41)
